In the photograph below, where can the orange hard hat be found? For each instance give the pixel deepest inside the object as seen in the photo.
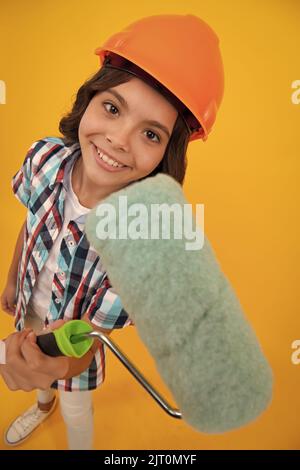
(180, 55)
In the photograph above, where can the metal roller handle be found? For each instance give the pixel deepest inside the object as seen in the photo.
(134, 371)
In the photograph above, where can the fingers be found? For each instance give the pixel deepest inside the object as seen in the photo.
(41, 367)
(12, 309)
(39, 362)
(32, 338)
(12, 372)
(11, 305)
(52, 326)
(8, 308)
(8, 299)
(13, 342)
(31, 352)
(27, 367)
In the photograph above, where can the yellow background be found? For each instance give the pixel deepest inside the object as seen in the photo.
(246, 174)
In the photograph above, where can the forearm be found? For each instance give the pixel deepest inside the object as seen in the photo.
(13, 270)
(76, 366)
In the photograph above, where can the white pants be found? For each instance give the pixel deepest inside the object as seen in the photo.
(77, 412)
(76, 407)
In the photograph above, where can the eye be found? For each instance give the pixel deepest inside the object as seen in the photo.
(112, 106)
(153, 133)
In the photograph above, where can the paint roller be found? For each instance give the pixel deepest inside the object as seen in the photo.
(183, 306)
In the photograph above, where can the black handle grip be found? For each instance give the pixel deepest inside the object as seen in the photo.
(47, 344)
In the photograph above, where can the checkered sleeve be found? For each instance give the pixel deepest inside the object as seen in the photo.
(21, 181)
(105, 309)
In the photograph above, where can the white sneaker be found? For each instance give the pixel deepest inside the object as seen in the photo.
(23, 426)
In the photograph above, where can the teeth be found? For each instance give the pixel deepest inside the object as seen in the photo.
(108, 160)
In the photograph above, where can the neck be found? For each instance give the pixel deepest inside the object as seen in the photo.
(89, 194)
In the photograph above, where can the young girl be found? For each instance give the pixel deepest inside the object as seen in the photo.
(159, 87)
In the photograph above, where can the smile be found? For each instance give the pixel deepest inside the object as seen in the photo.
(107, 162)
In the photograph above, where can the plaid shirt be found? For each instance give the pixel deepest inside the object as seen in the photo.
(80, 285)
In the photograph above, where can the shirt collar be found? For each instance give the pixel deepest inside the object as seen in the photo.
(66, 155)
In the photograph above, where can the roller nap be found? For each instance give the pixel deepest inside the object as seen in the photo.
(188, 316)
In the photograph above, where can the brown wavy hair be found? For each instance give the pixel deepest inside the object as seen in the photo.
(174, 161)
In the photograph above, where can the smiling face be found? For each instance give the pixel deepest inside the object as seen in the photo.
(117, 123)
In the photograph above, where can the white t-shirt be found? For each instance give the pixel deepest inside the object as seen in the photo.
(41, 295)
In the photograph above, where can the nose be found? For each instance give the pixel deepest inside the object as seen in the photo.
(118, 139)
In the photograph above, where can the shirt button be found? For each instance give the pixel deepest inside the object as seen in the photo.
(62, 275)
(57, 301)
(71, 243)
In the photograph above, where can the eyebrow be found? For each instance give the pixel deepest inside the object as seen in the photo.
(125, 104)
